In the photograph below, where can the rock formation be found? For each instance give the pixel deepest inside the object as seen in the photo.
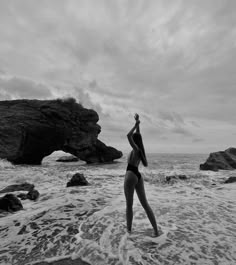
(31, 195)
(77, 180)
(230, 180)
(103, 152)
(10, 203)
(221, 160)
(17, 187)
(70, 158)
(33, 129)
(22, 196)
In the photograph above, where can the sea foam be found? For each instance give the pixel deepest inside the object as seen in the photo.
(196, 216)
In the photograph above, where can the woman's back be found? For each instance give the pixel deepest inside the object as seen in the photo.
(134, 158)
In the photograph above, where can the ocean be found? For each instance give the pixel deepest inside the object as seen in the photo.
(196, 214)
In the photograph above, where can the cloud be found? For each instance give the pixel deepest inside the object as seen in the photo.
(182, 131)
(197, 140)
(171, 116)
(195, 124)
(171, 61)
(17, 87)
(2, 72)
(82, 96)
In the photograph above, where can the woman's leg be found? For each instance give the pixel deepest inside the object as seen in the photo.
(143, 200)
(129, 184)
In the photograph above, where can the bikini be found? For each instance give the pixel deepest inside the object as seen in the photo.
(134, 169)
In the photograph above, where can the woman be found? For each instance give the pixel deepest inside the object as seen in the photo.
(134, 180)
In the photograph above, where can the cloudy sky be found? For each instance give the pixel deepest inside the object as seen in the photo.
(171, 61)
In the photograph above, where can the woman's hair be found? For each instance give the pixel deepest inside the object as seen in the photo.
(139, 142)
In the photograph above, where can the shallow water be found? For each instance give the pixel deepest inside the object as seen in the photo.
(196, 215)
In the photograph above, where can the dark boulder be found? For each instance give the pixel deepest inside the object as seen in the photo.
(33, 195)
(182, 177)
(33, 129)
(230, 180)
(10, 203)
(16, 187)
(68, 159)
(77, 180)
(102, 154)
(209, 166)
(22, 196)
(225, 160)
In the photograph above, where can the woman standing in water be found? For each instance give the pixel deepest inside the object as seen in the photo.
(133, 178)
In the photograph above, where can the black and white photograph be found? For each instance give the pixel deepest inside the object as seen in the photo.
(117, 132)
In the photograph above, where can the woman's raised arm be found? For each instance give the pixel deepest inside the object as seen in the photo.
(136, 117)
(130, 136)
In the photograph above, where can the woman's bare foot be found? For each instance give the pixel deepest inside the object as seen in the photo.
(156, 233)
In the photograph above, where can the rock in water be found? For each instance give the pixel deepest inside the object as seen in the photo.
(231, 180)
(22, 196)
(103, 152)
(33, 129)
(221, 160)
(17, 187)
(182, 177)
(10, 203)
(77, 180)
(68, 159)
(33, 195)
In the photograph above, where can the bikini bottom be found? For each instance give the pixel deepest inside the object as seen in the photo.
(134, 170)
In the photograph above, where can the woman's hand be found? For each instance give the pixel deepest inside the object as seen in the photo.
(136, 117)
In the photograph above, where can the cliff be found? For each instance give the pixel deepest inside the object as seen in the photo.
(33, 129)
